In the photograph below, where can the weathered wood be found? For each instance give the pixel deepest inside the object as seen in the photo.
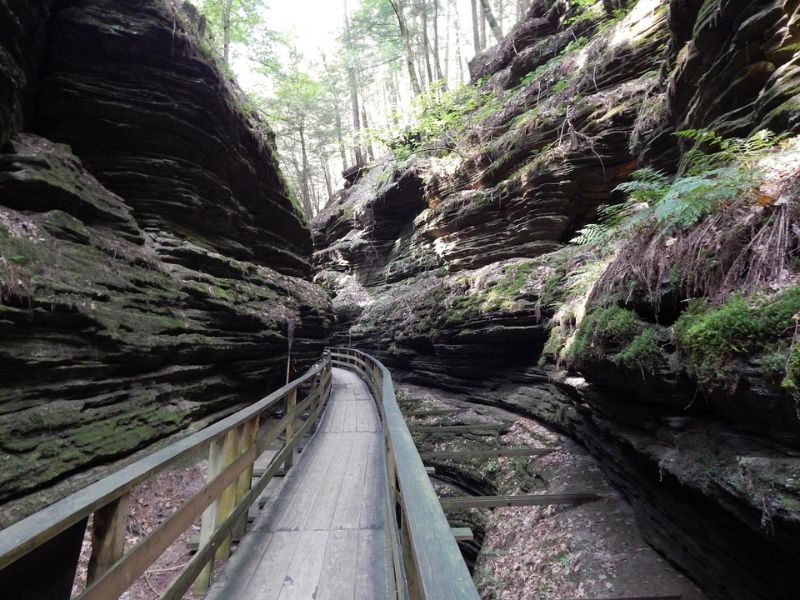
(108, 537)
(291, 405)
(227, 501)
(248, 439)
(430, 470)
(521, 500)
(491, 452)
(48, 572)
(206, 553)
(456, 428)
(462, 534)
(115, 581)
(432, 561)
(33, 531)
(430, 413)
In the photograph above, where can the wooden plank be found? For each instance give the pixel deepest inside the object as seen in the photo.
(348, 508)
(204, 555)
(291, 405)
(456, 428)
(521, 500)
(371, 566)
(321, 513)
(462, 534)
(108, 537)
(135, 562)
(337, 580)
(26, 534)
(488, 453)
(430, 413)
(441, 571)
(302, 576)
(372, 514)
(268, 577)
(227, 501)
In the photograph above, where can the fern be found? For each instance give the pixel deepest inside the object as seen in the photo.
(715, 170)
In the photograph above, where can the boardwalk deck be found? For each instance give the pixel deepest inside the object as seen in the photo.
(323, 536)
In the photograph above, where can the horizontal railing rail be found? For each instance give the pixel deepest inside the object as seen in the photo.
(234, 444)
(427, 562)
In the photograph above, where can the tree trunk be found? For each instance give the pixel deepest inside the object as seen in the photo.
(476, 35)
(482, 29)
(353, 81)
(365, 125)
(496, 30)
(407, 50)
(448, 19)
(426, 44)
(304, 173)
(437, 63)
(459, 57)
(326, 172)
(351, 73)
(226, 31)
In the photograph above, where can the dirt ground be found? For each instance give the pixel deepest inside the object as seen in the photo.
(593, 550)
(151, 504)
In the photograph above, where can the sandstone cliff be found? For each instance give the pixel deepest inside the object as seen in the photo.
(455, 267)
(151, 258)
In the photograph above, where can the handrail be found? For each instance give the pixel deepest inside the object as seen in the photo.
(234, 444)
(428, 563)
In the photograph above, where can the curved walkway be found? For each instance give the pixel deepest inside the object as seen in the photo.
(323, 535)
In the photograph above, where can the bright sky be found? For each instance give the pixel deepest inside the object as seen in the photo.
(313, 23)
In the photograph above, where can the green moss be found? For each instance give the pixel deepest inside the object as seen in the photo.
(742, 326)
(603, 330)
(791, 381)
(643, 352)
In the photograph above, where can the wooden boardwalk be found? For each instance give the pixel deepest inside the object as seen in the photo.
(324, 535)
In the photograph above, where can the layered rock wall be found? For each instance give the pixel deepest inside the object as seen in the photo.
(451, 266)
(151, 259)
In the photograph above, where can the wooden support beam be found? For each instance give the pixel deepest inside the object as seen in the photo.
(430, 470)
(521, 500)
(455, 428)
(462, 534)
(430, 413)
(291, 404)
(108, 537)
(673, 597)
(489, 453)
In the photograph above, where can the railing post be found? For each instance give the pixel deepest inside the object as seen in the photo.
(250, 431)
(228, 500)
(291, 404)
(108, 537)
(209, 522)
(221, 453)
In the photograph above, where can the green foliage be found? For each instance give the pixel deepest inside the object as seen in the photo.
(712, 337)
(603, 330)
(436, 113)
(643, 352)
(714, 171)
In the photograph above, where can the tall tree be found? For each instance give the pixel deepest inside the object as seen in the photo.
(407, 49)
(232, 21)
(489, 15)
(476, 35)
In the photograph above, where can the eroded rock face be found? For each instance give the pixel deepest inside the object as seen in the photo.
(150, 258)
(463, 294)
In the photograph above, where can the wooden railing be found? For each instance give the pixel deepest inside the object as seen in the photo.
(426, 559)
(33, 549)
